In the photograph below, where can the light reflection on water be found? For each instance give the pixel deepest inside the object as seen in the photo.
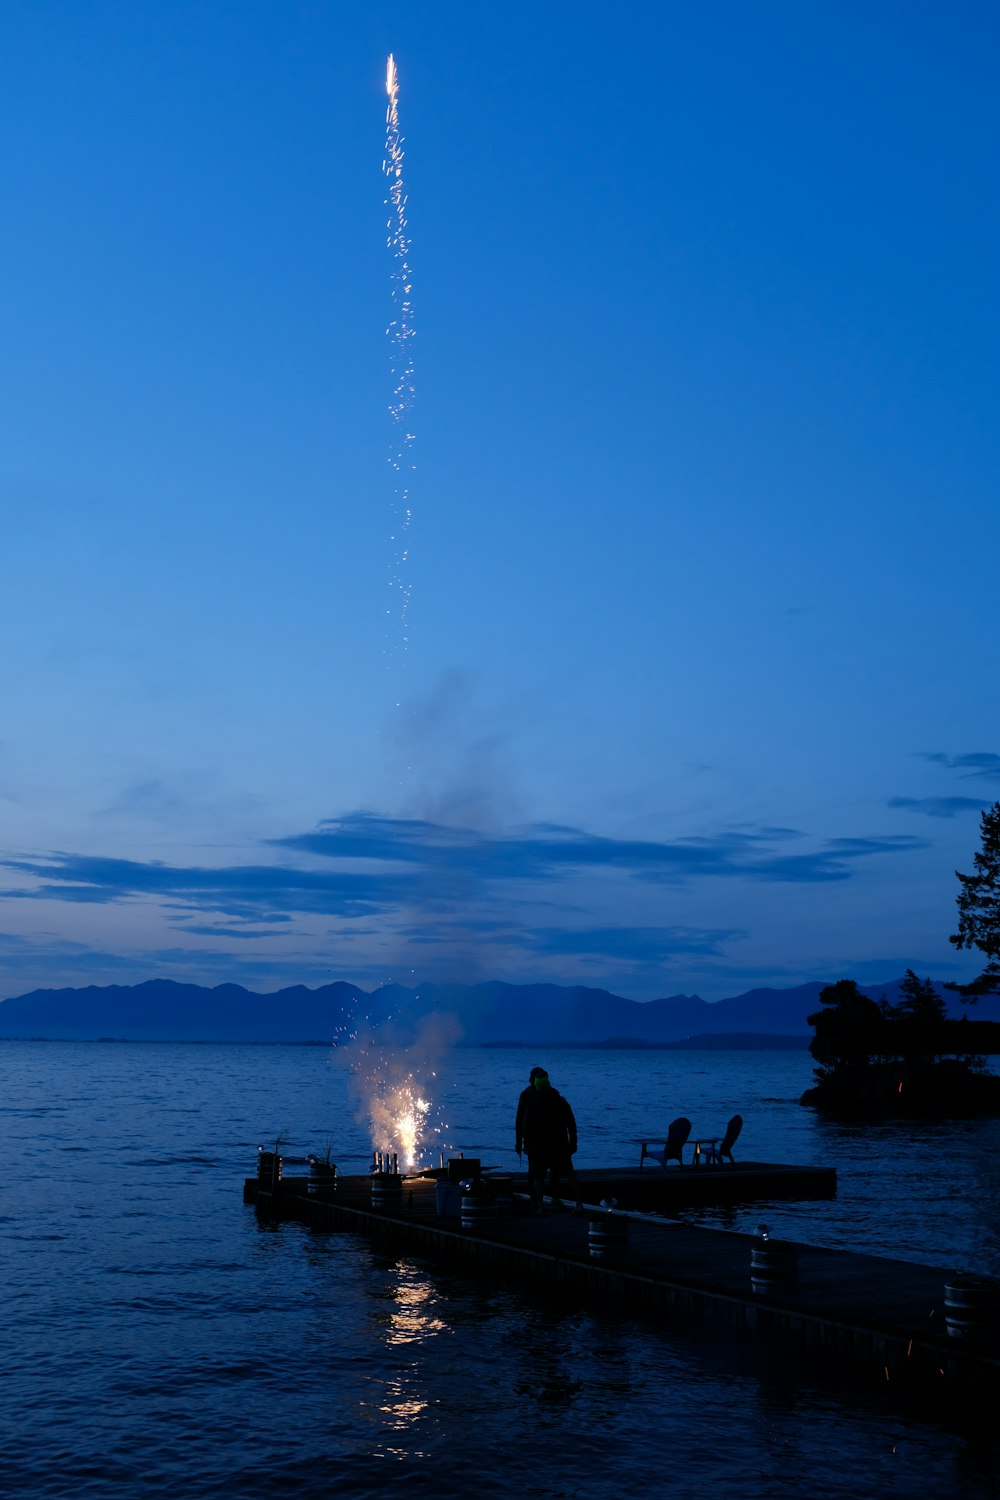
(157, 1337)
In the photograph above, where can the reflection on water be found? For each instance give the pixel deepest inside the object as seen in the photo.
(409, 1321)
(413, 1319)
(159, 1340)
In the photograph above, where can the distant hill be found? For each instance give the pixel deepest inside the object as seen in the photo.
(489, 1014)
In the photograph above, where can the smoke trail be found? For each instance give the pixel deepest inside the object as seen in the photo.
(400, 334)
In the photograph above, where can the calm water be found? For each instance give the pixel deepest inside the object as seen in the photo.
(158, 1340)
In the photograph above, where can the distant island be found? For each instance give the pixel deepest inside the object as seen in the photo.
(489, 1014)
(906, 1058)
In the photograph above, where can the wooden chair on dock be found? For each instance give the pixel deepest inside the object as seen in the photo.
(672, 1148)
(713, 1149)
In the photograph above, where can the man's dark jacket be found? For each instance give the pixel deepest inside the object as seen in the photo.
(548, 1128)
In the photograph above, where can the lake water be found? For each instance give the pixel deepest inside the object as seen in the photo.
(158, 1340)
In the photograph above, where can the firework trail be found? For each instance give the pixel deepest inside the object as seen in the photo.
(400, 334)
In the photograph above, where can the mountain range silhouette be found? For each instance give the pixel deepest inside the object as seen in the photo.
(493, 1013)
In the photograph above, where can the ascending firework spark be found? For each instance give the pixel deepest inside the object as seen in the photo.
(400, 333)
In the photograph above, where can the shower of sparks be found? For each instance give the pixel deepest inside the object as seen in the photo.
(400, 334)
(398, 1118)
(390, 1082)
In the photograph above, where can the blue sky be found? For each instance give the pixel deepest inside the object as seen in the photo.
(697, 684)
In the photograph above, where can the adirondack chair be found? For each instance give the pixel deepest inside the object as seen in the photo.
(713, 1149)
(672, 1148)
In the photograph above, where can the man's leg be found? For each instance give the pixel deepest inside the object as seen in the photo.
(536, 1182)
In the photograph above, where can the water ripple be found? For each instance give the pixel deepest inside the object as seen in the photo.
(159, 1340)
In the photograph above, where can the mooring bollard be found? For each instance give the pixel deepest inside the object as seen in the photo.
(269, 1165)
(774, 1264)
(502, 1189)
(322, 1177)
(447, 1196)
(607, 1232)
(387, 1190)
(972, 1308)
(477, 1207)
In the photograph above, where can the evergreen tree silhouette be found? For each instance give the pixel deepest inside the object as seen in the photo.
(979, 909)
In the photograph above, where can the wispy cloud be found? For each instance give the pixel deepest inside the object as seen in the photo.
(259, 888)
(544, 850)
(981, 765)
(937, 807)
(214, 929)
(632, 944)
(168, 800)
(58, 957)
(375, 865)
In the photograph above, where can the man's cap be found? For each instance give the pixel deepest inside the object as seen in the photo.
(537, 1073)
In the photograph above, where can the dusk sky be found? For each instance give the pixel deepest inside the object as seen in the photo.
(696, 688)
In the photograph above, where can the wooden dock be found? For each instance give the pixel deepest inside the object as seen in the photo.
(882, 1316)
(655, 1189)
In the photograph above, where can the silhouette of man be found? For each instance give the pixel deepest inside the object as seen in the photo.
(547, 1130)
(522, 1105)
